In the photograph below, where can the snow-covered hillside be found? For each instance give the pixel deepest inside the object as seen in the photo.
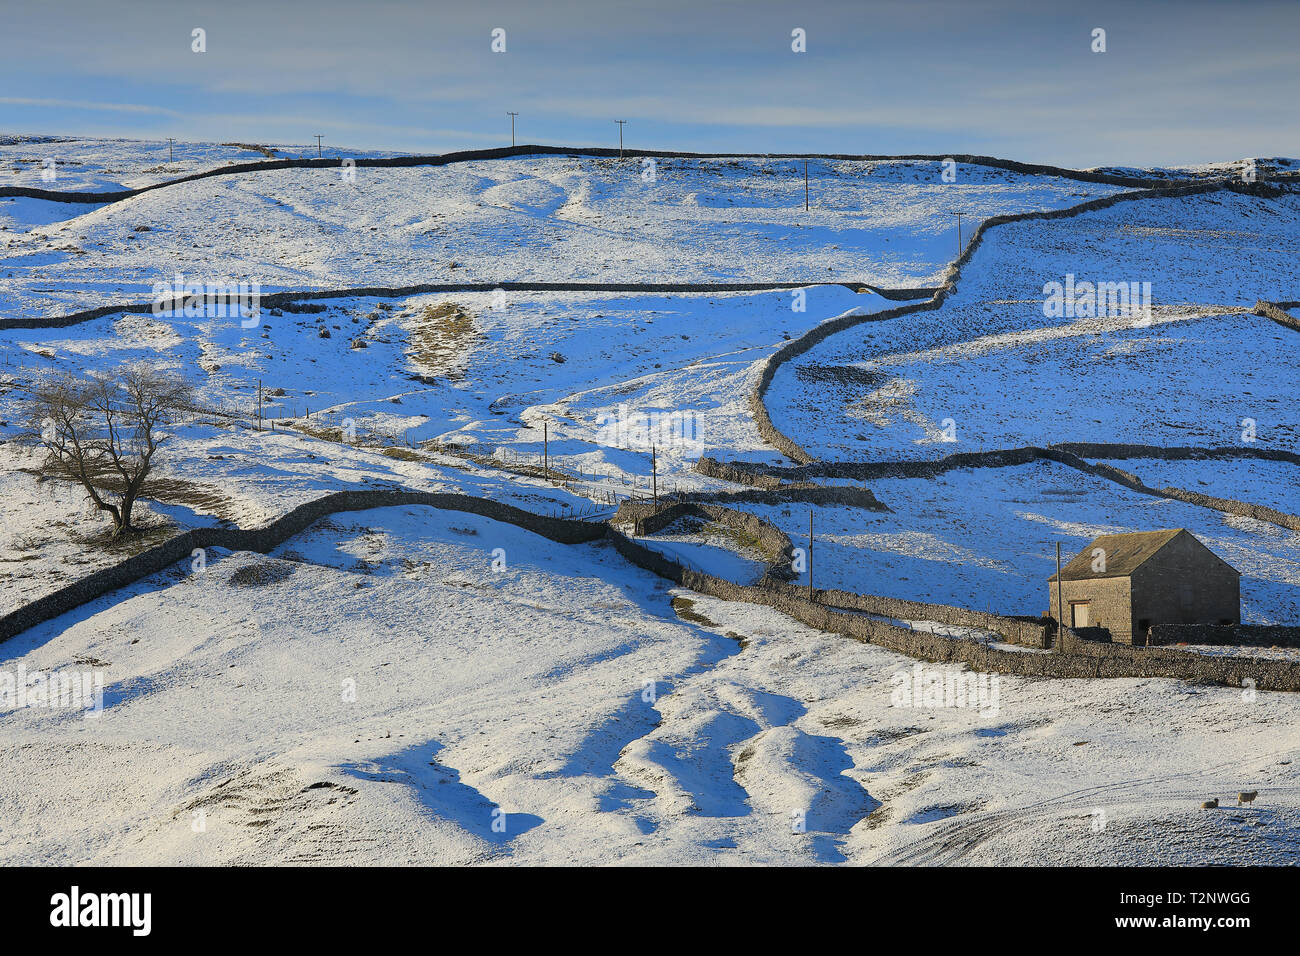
(542, 218)
(377, 693)
(984, 538)
(389, 684)
(1008, 374)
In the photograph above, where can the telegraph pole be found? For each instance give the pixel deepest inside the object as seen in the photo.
(810, 549)
(959, 245)
(512, 127)
(546, 449)
(1060, 619)
(169, 148)
(620, 123)
(805, 185)
(318, 150)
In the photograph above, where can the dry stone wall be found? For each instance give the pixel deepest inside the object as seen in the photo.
(775, 545)
(1242, 635)
(798, 346)
(799, 492)
(1075, 658)
(284, 299)
(180, 548)
(1083, 659)
(1275, 311)
(1023, 631)
(507, 152)
(773, 477)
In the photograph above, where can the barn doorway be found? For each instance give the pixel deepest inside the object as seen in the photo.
(1080, 614)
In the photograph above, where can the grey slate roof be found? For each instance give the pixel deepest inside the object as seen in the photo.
(1124, 552)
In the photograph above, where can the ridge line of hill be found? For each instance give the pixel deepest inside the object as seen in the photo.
(509, 152)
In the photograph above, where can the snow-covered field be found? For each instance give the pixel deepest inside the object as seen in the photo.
(78, 164)
(1273, 484)
(389, 684)
(594, 368)
(1001, 373)
(984, 538)
(378, 694)
(543, 218)
(1183, 380)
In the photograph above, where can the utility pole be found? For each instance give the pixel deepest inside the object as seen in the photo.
(654, 476)
(620, 123)
(546, 449)
(805, 185)
(810, 549)
(1060, 619)
(259, 404)
(318, 150)
(959, 245)
(169, 148)
(512, 127)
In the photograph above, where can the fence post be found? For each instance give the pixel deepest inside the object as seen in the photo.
(810, 551)
(654, 476)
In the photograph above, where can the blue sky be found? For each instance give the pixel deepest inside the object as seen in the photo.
(1179, 81)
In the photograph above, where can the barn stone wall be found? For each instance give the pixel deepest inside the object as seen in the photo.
(1185, 583)
(1108, 600)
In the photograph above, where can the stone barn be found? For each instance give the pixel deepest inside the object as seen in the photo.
(1124, 583)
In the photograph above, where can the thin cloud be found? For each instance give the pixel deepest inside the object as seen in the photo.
(48, 103)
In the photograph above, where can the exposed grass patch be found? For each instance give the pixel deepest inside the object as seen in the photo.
(266, 151)
(260, 575)
(685, 609)
(141, 538)
(441, 339)
(205, 499)
(839, 375)
(328, 433)
(403, 454)
(741, 542)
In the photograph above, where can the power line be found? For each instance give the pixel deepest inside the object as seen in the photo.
(959, 245)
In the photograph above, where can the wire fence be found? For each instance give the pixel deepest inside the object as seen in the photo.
(605, 490)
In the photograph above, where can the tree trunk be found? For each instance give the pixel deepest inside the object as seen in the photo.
(113, 513)
(123, 522)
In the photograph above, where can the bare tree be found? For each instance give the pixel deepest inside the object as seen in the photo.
(103, 431)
